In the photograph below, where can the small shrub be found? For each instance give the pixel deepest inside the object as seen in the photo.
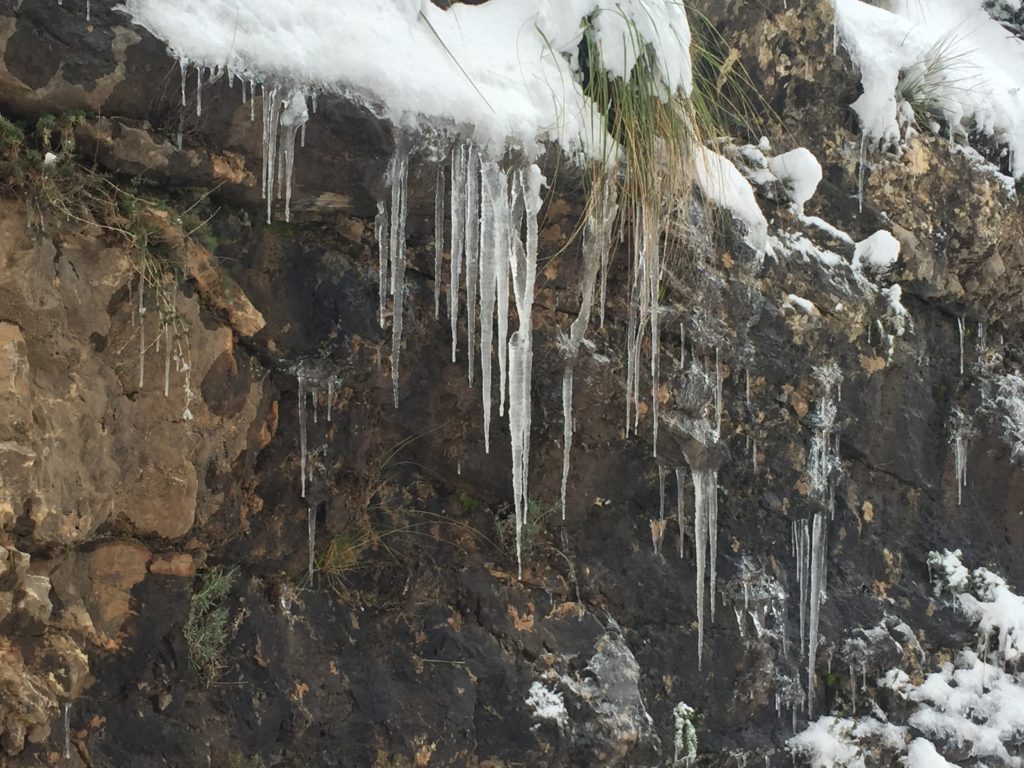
(538, 516)
(208, 628)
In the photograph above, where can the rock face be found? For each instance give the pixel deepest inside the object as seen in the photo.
(123, 475)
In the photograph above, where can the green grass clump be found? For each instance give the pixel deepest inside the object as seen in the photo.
(538, 517)
(208, 628)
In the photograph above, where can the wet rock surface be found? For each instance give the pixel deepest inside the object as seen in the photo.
(415, 643)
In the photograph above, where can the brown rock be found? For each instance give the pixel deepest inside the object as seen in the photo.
(173, 564)
(112, 570)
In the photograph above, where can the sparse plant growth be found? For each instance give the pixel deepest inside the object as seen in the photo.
(208, 628)
(538, 517)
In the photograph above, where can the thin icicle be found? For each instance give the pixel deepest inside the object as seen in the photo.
(862, 171)
(661, 492)
(705, 527)
(312, 540)
(439, 192)
(718, 395)
(167, 359)
(492, 196)
(960, 326)
(597, 241)
(399, 205)
(330, 399)
(802, 555)
(382, 228)
(271, 121)
(680, 506)
(294, 116)
(817, 588)
(472, 254)
(459, 162)
(199, 89)
(520, 346)
(503, 247)
(302, 429)
(142, 328)
(67, 731)
(960, 460)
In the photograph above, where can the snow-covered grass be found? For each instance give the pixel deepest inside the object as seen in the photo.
(1009, 401)
(948, 58)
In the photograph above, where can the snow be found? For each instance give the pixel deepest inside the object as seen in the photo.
(800, 171)
(723, 184)
(969, 66)
(827, 228)
(502, 71)
(876, 253)
(922, 754)
(804, 305)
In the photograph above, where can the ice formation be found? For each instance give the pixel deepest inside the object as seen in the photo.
(705, 534)
(596, 246)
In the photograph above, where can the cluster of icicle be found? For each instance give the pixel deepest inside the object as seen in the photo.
(494, 255)
(285, 112)
(810, 541)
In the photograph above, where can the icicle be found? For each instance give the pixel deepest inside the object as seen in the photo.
(67, 731)
(142, 327)
(817, 588)
(167, 359)
(399, 204)
(718, 396)
(960, 326)
(302, 135)
(753, 455)
(746, 373)
(520, 346)
(330, 399)
(802, 555)
(492, 194)
(705, 527)
(682, 347)
(960, 459)
(199, 90)
(438, 238)
(252, 101)
(472, 254)
(862, 171)
(503, 247)
(661, 492)
(302, 429)
(314, 401)
(312, 540)
(680, 506)
(596, 242)
(271, 120)
(652, 248)
(382, 227)
(294, 117)
(88, 10)
(459, 181)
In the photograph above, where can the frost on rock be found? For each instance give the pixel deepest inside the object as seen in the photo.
(1009, 404)
(759, 602)
(547, 704)
(684, 741)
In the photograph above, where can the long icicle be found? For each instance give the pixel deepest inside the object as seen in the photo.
(399, 205)
(596, 242)
(472, 253)
(520, 346)
(438, 238)
(492, 200)
(459, 155)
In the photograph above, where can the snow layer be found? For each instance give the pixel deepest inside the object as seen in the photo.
(723, 184)
(961, 61)
(876, 253)
(496, 71)
(800, 171)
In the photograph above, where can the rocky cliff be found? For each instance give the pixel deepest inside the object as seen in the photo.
(377, 619)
